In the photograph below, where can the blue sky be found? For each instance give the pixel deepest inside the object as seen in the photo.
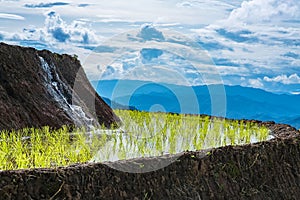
(251, 43)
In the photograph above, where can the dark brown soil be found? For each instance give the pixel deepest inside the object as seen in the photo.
(266, 170)
(25, 98)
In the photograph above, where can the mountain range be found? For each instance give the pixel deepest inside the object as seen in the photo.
(238, 102)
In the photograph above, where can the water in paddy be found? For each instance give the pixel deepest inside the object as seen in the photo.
(153, 134)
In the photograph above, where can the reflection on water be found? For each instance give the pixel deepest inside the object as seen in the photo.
(153, 134)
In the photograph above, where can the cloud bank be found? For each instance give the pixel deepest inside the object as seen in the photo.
(257, 11)
(76, 32)
(260, 36)
(148, 33)
(11, 16)
(55, 30)
(253, 42)
(46, 5)
(287, 80)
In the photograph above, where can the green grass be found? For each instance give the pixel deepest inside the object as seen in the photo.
(144, 134)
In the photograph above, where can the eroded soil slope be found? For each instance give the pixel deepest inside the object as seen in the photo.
(39, 88)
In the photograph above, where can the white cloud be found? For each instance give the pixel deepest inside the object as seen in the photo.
(75, 32)
(256, 83)
(256, 33)
(257, 11)
(295, 93)
(255, 36)
(155, 11)
(11, 16)
(229, 70)
(287, 80)
(56, 30)
(153, 54)
(148, 32)
(184, 4)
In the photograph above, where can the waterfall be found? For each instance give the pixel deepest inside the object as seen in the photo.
(56, 89)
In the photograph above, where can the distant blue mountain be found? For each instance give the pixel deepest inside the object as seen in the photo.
(115, 105)
(241, 102)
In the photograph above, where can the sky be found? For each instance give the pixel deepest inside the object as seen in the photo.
(250, 43)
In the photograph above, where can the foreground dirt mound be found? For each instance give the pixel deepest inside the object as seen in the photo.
(39, 88)
(266, 170)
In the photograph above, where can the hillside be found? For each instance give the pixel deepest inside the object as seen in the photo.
(39, 88)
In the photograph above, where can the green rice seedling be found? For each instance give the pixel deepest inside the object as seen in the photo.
(32, 148)
(232, 132)
(4, 149)
(159, 144)
(264, 133)
(21, 158)
(248, 132)
(142, 134)
(152, 134)
(205, 129)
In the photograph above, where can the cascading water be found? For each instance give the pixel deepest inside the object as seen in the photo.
(57, 89)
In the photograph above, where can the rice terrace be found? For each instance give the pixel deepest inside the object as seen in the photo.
(149, 99)
(150, 134)
(51, 160)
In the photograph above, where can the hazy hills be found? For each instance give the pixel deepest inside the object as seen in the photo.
(240, 102)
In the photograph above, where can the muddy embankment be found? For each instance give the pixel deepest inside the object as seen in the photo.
(266, 170)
